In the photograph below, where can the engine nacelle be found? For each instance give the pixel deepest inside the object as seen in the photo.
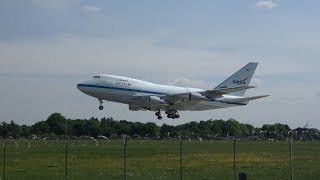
(197, 97)
(156, 100)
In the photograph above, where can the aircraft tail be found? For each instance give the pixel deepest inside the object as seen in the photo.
(240, 78)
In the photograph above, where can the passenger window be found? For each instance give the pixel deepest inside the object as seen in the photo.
(96, 77)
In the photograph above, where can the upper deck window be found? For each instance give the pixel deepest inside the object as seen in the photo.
(96, 77)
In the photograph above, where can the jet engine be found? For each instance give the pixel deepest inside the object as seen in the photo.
(197, 97)
(156, 100)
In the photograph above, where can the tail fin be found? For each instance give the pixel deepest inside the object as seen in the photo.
(240, 78)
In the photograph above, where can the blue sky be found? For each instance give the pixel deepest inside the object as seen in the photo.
(47, 47)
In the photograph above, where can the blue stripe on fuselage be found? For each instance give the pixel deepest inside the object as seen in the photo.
(123, 89)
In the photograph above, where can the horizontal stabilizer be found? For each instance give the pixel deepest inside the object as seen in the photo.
(241, 99)
(216, 93)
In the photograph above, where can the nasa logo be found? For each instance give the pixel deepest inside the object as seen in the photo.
(240, 82)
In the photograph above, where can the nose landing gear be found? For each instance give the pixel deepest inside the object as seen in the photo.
(100, 106)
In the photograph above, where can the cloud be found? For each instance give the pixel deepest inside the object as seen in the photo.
(185, 82)
(70, 54)
(90, 9)
(265, 4)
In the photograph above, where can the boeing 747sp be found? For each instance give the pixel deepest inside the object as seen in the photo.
(143, 95)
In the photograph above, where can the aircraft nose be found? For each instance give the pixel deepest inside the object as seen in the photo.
(83, 86)
(79, 86)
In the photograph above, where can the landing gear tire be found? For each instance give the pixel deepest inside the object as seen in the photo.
(158, 114)
(100, 106)
(173, 114)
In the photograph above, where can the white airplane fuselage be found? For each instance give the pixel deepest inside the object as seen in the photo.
(124, 90)
(143, 95)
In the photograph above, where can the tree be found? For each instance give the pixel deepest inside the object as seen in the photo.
(123, 127)
(40, 128)
(165, 129)
(216, 126)
(25, 131)
(150, 128)
(4, 129)
(136, 128)
(92, 127)
(57, 124)
(232, 127)
(78, 128)
(106, 126)
(204, 128)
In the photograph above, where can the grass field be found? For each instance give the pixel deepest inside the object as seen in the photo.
(158, 160)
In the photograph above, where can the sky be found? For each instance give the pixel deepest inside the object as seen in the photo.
(47, 47)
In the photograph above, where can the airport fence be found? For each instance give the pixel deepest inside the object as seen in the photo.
(157, 159)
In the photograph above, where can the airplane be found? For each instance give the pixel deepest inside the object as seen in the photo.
(147, 96)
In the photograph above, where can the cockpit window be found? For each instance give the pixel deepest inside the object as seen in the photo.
(96, 77)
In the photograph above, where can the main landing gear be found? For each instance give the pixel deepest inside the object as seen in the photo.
(158, 114)
(173, 114)
(100, 106)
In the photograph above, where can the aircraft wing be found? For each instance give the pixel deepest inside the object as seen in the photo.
(202, 95)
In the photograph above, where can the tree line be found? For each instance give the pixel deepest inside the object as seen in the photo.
(57, 125)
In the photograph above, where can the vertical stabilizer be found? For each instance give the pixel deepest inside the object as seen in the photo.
(240, 78)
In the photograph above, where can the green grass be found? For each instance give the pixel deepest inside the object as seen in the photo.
(159, 160)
